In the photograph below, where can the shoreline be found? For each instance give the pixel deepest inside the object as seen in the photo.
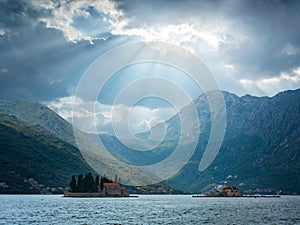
(245, 196)
(95, 195)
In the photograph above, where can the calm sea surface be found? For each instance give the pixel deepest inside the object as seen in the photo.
(152, 209)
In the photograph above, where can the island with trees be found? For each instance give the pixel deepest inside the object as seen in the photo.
(98, 186)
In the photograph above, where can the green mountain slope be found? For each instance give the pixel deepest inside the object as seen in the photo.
(40, 117)
(27, 152)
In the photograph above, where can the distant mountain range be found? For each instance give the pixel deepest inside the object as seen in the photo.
(260, 151)
(261, 148)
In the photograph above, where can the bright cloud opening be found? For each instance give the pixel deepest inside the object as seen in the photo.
(271, 86)
(141, 118)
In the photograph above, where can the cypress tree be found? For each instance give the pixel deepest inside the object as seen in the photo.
(73, 184)
(80, 184)
(97, 183)
(88, 182)
(101, 183)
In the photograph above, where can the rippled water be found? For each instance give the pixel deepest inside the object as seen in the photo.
(152, 209)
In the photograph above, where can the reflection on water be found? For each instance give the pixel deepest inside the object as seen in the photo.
(151, 209)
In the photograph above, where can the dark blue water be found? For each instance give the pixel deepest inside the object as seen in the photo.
(153, 209)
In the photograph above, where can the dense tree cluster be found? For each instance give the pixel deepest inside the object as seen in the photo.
(88, 183)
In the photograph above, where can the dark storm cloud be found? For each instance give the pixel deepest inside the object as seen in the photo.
(273, 45)
(272, 36)
(29, 54)
(37, 62)
(44, 54)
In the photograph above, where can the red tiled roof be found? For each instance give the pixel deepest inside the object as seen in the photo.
(112, 184)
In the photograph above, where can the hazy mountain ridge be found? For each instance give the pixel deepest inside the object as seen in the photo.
(37, 147)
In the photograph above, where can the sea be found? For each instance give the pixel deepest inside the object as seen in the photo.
(148, 209)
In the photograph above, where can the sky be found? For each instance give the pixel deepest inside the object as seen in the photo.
(251, 47)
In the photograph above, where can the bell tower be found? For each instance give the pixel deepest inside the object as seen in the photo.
(225, 184)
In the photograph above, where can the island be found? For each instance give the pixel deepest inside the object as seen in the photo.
(225, 191)
(100, 186)
(232, 191)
